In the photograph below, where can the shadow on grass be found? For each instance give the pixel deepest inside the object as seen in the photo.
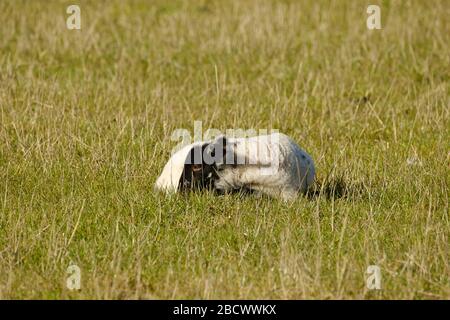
(331, 188)
(336, 188)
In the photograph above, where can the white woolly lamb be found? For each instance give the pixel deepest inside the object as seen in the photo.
(270, 164)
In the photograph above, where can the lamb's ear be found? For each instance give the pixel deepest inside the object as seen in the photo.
(221, 142)
(215, 152)
(222, 151)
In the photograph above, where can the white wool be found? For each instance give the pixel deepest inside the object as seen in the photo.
(170, 177)
(271, 164)
(274, 165)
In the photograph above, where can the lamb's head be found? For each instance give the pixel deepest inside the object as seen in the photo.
(202, 165)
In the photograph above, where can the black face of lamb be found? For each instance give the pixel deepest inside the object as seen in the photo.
(197, 173)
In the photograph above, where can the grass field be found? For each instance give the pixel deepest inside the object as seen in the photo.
(86, 118)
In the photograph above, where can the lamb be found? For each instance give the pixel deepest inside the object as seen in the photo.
(268, 164)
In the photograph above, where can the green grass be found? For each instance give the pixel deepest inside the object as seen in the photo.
(86, 118)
